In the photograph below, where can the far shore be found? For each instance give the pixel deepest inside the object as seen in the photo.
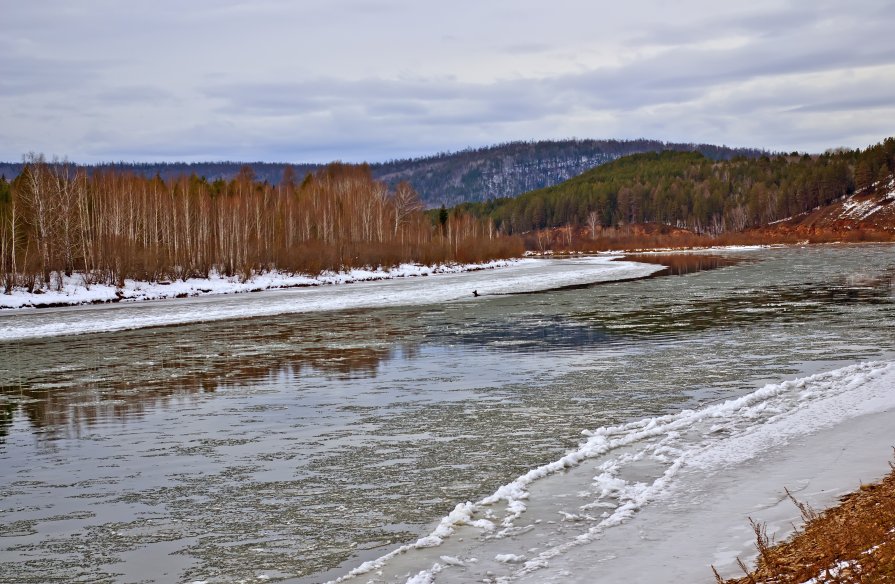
(74, 292)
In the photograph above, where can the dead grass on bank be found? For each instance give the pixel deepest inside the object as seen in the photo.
(654, 236)
(853, 542)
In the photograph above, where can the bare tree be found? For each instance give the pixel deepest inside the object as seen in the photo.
(593, 221)
(118, 225)
(405, 202)
(40, 206)
(8, 237)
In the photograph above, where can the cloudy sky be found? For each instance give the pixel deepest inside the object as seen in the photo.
(317, 80)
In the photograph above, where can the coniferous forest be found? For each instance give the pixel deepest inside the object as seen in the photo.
(690, 191)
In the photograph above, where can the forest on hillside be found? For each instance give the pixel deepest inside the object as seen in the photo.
(450, 178)
(691, 191)
(507, 170)
(108, 225)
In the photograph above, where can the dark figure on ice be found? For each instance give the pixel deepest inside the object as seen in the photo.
(475, 293)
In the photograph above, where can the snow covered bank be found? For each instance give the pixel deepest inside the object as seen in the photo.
(519, 276)
(74, 292)
(588, 517)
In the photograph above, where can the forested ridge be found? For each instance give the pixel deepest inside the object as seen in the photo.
(690, 191)
(57, 219)
(507, 170)
(449, 178)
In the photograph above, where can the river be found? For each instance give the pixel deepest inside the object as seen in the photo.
(290, 436)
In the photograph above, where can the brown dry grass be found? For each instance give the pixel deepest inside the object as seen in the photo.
(853, 542)
(654, 236)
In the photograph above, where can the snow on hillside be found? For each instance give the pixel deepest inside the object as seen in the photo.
(862, 209)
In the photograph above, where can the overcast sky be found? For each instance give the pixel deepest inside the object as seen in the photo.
(317, 80)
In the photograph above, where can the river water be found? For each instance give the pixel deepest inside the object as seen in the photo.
(303, 439)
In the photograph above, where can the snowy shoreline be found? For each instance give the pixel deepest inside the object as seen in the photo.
(732, 460)
(452, 284)
(75, 293)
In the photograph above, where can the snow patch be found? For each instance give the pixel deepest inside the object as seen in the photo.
(425, 576)
(75, 292)
(859, 210)
(832, 573)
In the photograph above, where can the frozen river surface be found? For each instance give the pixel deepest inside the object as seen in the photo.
(528, 275)
(307, 435)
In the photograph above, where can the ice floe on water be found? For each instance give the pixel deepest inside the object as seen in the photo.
(518, 276)
(539, 523)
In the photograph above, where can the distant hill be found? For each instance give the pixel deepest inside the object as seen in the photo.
(691, 191)
(482, 174)
(271, 172)
(507, 170)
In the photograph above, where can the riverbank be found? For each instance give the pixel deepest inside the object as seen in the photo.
(521, 276)
(654, 236)
(672, 494)
(851, 542)
(75, 292)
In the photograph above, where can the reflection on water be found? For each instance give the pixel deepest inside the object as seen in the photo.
(126, 374)
(6, 411)
(293, 445)
(784, 304)
(681, 264)
(675, 265)
(529, 334)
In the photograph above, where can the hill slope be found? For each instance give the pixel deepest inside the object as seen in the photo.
(870, 209)
(507, 170)
(504, 170)
(690, 191)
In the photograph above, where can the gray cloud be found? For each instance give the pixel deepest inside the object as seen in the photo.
(134, 94)
(848, 104)
(526, 48)
(24, 75)
(374, 80)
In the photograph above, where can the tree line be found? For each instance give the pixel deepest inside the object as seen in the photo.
(501, 170)
(108, 225)
(690, 191)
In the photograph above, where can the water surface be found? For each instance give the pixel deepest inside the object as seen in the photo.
(296, 446)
